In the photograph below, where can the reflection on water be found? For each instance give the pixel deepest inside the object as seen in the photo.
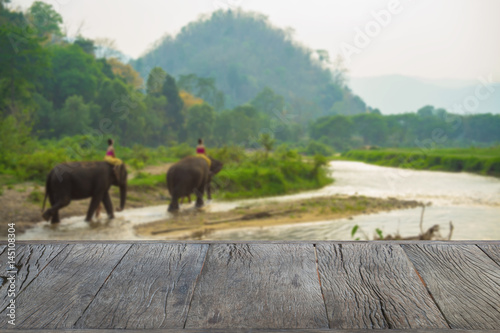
(474, 223)
(472, 202)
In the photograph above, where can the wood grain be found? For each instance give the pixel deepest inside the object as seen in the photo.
(373, 285)
(30, 260)
(258, 286)
(492, 251)
(151, 288)
(229, 330)
(463, 281)
(63, 290)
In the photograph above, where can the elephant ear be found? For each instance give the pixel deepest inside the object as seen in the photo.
(122, 174)
(119, 173)
(216, 166)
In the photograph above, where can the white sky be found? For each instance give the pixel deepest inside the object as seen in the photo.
(458, 39)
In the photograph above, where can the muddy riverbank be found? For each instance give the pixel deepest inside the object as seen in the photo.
(198, 224)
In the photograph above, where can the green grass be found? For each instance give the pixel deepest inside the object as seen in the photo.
(484, 161)
(36, 196)
(148, 180)
(278, 174)
(245, 175)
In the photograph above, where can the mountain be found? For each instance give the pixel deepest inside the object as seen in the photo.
(245, 54)
(397, 94)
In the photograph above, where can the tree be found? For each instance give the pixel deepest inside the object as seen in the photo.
(204, 88)
(87, 45)
(74, 118)
(340, 71)
(15, 137)
(267, 142)
(174, 105)
(372, 128)
(200, 122)
(45, 19)
(154, 84)
(22, 62)
(74, 72)
(126, 72)
(268, 101)
(333, 130)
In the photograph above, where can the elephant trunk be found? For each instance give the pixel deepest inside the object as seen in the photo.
(123, 196)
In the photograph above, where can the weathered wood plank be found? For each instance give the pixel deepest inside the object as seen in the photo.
(229, 330)
(258, 286)
(463, 281)
(63, 290)
(150, 288)
(374, 286)
(492, 251)
(30, 260)
(392, 242)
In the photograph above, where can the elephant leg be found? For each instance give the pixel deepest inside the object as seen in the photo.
(209, 191)
(55, 217)
(54, 210)
(48, 212)
(98, 211)
(94, 203)
(174, 204)
(108, 205)
(199, 196)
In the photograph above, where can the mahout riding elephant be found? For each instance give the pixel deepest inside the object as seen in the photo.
(82, 180)
(192, 174)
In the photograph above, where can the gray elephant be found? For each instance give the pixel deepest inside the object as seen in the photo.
(82, 180)
(192, 174)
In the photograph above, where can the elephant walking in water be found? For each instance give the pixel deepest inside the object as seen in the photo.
(192, 174)
(82, 180)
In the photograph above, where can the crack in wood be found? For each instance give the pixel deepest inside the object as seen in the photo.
(426, 287)
(196, 286)
(102, 285)
(320, 284)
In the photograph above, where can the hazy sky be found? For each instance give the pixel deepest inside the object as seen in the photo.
(425, 38)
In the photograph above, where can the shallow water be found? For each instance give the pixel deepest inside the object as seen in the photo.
(472, 202)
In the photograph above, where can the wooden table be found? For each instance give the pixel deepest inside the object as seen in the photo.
(225, 286)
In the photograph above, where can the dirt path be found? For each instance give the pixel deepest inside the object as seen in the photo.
(153, 170)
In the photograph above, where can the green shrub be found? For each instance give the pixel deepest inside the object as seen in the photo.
(147, 180)
(315, 147)
(36, 166)
(181, 151)
(135, 164)
(477, 160)
(35, 196)
(228, 154)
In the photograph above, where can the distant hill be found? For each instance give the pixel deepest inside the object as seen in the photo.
(397, 94)
(245, 54)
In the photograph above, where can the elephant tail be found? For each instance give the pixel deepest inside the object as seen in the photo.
(46, 192)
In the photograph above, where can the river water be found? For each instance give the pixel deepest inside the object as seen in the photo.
(471, 202)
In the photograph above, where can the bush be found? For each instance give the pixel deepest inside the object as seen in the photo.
(315, 147)
(181, 151)
(135, 164)
(477, 161)
(36, 166)
(228, 154)
(260, 176)
(143, 179)
(36, 196)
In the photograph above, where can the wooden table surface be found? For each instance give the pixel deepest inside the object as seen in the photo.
(231, 286)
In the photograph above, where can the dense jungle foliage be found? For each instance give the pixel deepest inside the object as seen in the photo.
(230, 78)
